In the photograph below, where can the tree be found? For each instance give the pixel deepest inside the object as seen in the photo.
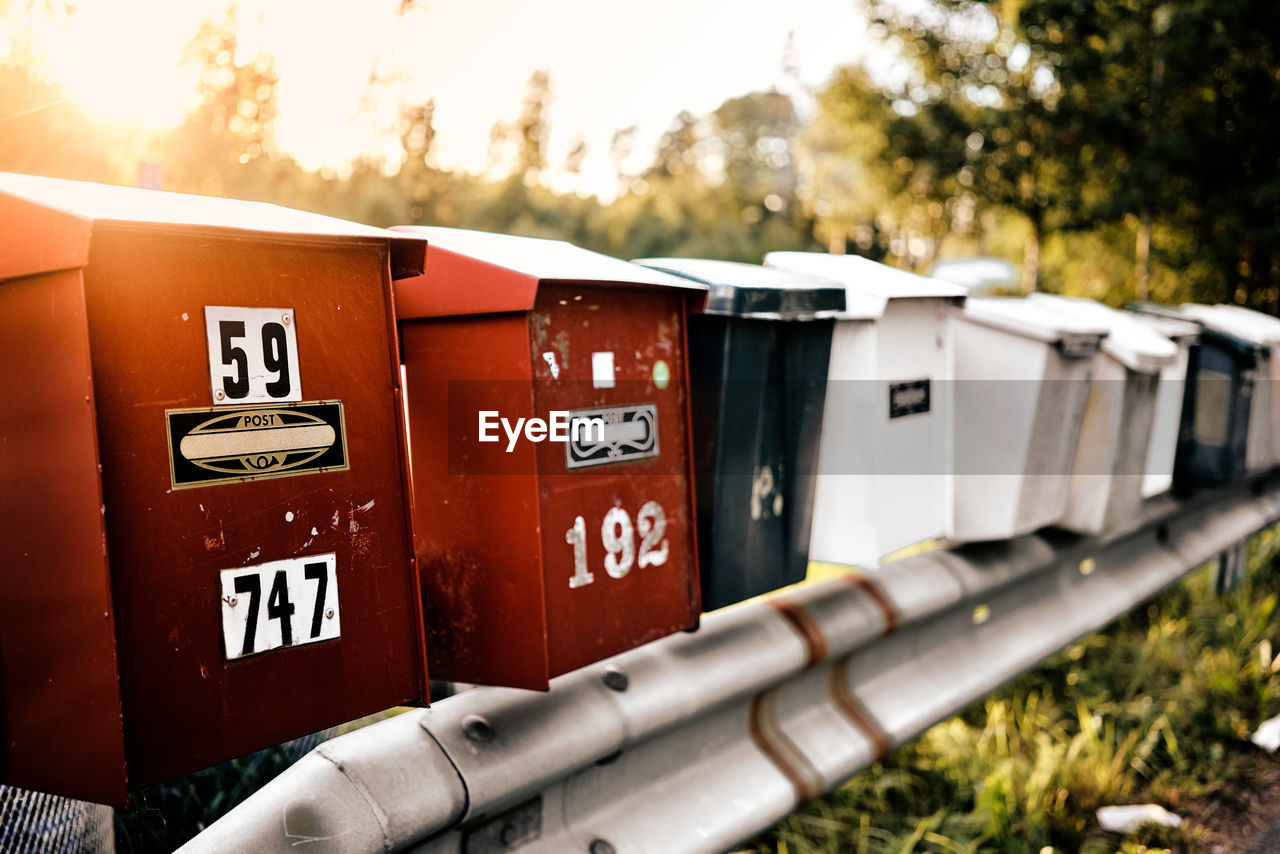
(234, 123)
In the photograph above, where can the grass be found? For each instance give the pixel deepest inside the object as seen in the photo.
(1157, 708)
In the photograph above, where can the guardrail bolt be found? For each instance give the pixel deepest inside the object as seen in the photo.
(617, 680)
(477, 729)
(600, 846)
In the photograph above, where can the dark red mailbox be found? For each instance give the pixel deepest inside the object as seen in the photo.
(202, 498)
(549, 436)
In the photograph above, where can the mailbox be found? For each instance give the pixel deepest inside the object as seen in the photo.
(884, 462)
(1221, 376)
(202, 497)
(1111, 456)
(1262, 449)
(551, 462)
(758, 357)
(1023, 373)
(1171, 395)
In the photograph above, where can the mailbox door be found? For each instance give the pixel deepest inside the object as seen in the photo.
(326, 539)
(475, 506)
(617, 516)
(60, 727)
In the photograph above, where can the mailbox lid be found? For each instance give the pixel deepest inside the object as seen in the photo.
(1261, 329)
(1245, 352)
(1130, 342)
(478, 272)
(869, 285)
(752, 290)
(1072, 336)
(60, 213)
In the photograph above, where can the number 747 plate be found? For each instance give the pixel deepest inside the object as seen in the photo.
(278, 604)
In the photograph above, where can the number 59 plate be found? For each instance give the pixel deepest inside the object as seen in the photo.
(281, 603)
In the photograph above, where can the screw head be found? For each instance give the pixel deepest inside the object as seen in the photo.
(477, 729)
(231, 600)
(219, 394)
(616, 679)
(287, 320)
(328, 613)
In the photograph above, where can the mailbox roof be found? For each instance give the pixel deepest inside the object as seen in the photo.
(1262, 329)
(477, 272)
(1241, 348)
(868, 284)
(52, 219)
(750, 290)
(1130, 342)
(1032, 319)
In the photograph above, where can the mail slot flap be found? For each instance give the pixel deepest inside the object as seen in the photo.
(500, 272)
(869, 285)
(80, 204)
(750, 290)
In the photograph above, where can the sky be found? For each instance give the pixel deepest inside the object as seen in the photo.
(612, 64)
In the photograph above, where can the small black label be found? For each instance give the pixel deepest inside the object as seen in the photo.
(211, 446)
(908, 398)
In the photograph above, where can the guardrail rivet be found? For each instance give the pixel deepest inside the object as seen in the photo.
(600, 846)
(477, 729)
(616, 679)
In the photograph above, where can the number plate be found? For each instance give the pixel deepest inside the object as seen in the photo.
(253, 354)
(281, 603)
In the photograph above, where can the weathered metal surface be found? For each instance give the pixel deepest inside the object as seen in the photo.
(699, 741)
(103, 548)
(539, 556)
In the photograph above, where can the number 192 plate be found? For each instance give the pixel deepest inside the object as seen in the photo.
(279, 604)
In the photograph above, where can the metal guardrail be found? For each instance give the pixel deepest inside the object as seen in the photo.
(699, 741)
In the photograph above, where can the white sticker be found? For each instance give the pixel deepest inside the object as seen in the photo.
(253, 354)
(282, 603)
(602, 369)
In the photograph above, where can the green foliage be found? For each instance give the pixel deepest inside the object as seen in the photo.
(1158, 708)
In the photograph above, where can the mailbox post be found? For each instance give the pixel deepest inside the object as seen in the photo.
(758, 357)
(202, 500)
(551, 460)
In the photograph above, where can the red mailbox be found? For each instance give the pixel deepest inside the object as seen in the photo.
(549, 436)
(202, 498)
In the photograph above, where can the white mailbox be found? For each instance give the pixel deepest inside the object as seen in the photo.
(1023, 375)
(1169, 400)
(1111, 456)
(1262, 448)
(885, 458)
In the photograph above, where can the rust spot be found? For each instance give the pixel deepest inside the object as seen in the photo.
(768, 736)
(892, 619)
(852, 708)
(815, 645)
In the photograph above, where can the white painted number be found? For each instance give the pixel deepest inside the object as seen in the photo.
(253, 354)
(577, 537)
(619, 542)
(278, 604)
(618, 537)
(653, 524)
